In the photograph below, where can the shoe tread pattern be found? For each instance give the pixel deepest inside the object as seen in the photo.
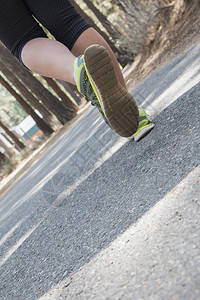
(119, 106)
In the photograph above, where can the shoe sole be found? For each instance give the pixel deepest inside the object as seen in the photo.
(118, 105)
(143, 132)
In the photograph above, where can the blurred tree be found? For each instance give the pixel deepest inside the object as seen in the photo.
(11, 111)
(27, 94)
(12, 135)
(54, 105)
(40, 122)
(72, 90)
(9, 150)
(101, 17)
(61, 94)
(107, 37)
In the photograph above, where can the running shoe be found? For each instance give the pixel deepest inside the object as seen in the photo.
(117, 104)
(144, 127)
(84, 86)
(107, 87)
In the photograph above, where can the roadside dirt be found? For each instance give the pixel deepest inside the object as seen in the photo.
(164, 42)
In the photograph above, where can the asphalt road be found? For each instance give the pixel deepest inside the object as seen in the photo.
(101, 217)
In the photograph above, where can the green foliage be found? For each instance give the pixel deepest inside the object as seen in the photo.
(9, 165)
(6, 167)
(12, 112)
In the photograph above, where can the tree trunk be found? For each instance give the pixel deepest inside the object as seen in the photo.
(121, 5)
(121, 55)
(12, 135)
(177, 12)
(101, 17)
(40, 122)
(72, 90)
(7, 138)
(61, 94)
(26, 94)
(92, 23)
(3, 158)
(62, 113)
(11, 141)
(9, 150)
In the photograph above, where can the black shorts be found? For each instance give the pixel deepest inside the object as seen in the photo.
(18, 24)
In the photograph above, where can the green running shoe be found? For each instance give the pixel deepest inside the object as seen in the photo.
(87, 88)
(117, 104)
(144, 127)
(84, 86)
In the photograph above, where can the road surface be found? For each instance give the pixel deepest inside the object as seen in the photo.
(101, 217)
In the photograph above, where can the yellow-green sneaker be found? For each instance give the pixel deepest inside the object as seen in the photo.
(84, 86)
(118, 105)
(144, 127)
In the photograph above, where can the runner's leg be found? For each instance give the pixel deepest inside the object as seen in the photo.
(53, 58)
(49, 58)
(69, 28)
(61, 19)
(17, 26)
(90, 37)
